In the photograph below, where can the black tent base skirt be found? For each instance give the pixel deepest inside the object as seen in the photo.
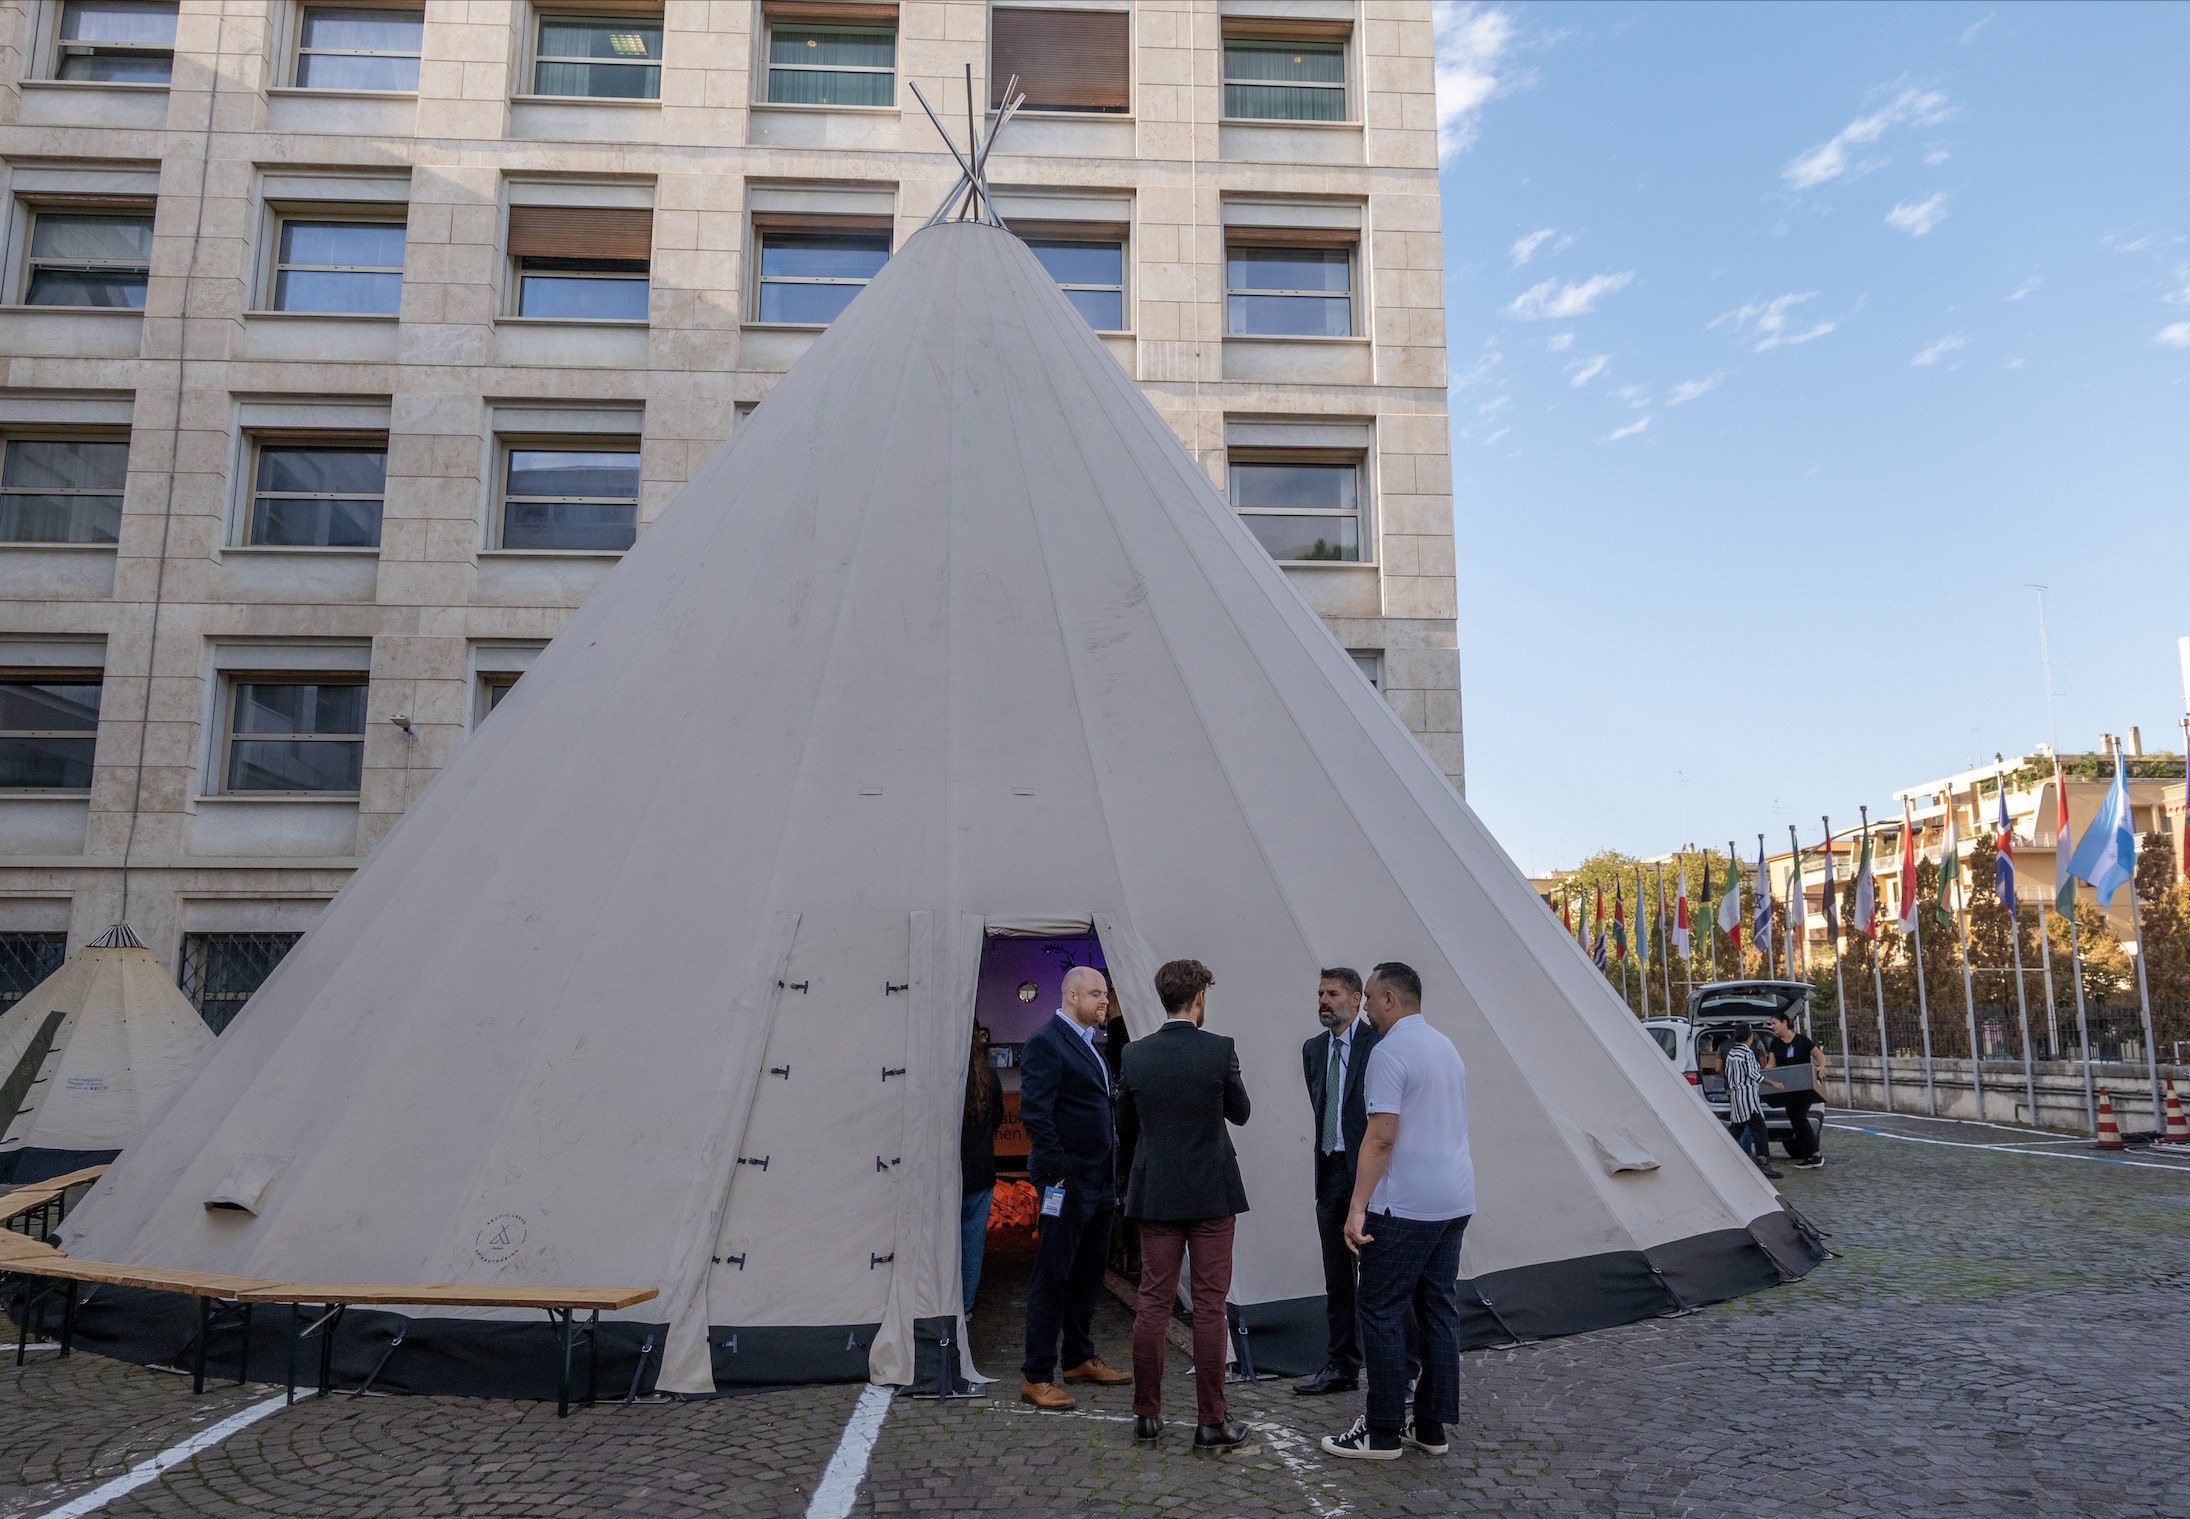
(497, 1358)
(20, 1168)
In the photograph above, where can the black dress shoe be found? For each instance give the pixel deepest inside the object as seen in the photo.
(1329, 1380)
(1219, 1436)
(1145, 1428)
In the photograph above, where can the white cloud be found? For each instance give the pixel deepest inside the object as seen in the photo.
(2174, 335)
(1552, 301)
(2025, 287)
(1917, 217)
(2124, 244)
(1589, 369)
(1640, 424)
(1526, 248)
(1969, 33)
(1688, 390)
(1830, 159)
(1494, 405)
(2017, 363)
(1767, 322)
(1928, 356)
(1474, 43)
(1633, 395)
(1494, 437)
(1559, 342)
(1934, 157)
(2180, 295)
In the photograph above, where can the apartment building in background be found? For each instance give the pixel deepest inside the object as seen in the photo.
(345, 347)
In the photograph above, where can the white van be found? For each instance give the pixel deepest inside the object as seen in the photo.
(1693, 1043)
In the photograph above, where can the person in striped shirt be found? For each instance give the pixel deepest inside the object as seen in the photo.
(1745, 1081)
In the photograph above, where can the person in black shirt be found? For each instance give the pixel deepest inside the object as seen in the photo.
(1788, 1046)
(984, 1115)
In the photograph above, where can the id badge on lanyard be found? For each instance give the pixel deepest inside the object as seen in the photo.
(1053, 1201)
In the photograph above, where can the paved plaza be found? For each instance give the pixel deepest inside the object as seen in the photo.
(2005, 1331)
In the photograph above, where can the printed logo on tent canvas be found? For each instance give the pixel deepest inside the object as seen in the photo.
(500, 1238)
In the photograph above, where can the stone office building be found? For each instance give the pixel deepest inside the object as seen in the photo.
(346, 346)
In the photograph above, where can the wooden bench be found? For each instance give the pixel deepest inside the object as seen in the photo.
(48, 1199)
(234, 1297)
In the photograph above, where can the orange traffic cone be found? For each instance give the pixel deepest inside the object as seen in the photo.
(2110, 1134)
(2178, 1128)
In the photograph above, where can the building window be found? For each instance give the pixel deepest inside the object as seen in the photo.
(1302, 512)
(47, 731)
(26, 960)
(62, 490)
(341, 267)
(584, 498)
(582, 263)
(599, 57)
(318, 495)
(221, 971)
(89, 259)
(117, 41)
(1370, 662)
(832, 65)
(1092, 276)
(492, 688)
(810, 277)
(1064, 60)
(350, 48)
(295, 735)
(1288, 292)
(1284, 81)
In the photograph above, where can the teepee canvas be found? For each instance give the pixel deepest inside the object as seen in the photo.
(667, 980)
(89, 1056)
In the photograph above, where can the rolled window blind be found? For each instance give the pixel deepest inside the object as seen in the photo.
(621, 232)
(1065, 60)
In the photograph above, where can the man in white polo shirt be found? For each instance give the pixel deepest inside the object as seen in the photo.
(1414, 1191)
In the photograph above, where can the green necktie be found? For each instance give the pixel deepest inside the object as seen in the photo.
(1333, 1099)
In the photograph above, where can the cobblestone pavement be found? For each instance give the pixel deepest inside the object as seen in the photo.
(2003, 1333)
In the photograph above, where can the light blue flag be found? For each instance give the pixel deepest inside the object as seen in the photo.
(2107, 854)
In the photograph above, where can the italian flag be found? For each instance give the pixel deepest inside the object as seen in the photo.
(1950, 864)
(1730, 904)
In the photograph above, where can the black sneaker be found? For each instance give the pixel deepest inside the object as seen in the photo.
(1362, 1443)
(1426, 1438)
(1772, 1171)
(1811, 1164)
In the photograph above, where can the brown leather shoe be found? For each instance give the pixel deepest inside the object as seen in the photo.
(1047, 1395)
(1093, 1370)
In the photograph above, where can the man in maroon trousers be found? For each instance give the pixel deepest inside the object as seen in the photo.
(1178, 1088)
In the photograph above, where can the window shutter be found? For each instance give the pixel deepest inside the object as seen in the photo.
(581, 232)
(1065, 60)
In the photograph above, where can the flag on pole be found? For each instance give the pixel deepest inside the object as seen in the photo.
(1907, 924)
(1619, 926)
(2108, 853)
(1950, 864)
(1832, 893)
(2003, 864)
(1730, 906)
(1596, 948)
(2064, 884)
(1762, 933)
(1565, 917)
(1798, 909)
(1642, 922)
(1680, 913)
(1866, 892)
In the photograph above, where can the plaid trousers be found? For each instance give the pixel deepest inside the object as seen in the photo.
(1417, 1261)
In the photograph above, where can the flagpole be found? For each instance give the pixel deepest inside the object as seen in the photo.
(1923, 999)
(1878, 980)
(2015, 935)
(1642, 963)
(1733, 868)
(2083, 1022)
(1840, 995)
(1969, 992)
(1711, 921)
(1665, 945)
(1794, 888)
(2136, 922)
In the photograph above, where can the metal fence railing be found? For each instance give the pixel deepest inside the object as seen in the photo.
(221, 971)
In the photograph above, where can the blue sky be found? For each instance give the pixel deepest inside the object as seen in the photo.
(1788, 343)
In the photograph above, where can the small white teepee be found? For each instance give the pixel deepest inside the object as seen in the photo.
(89, 1056)
(667, 981)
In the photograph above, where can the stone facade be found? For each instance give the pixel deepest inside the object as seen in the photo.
(229, 146)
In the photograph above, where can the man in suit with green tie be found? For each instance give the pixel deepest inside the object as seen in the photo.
(1334, 1061)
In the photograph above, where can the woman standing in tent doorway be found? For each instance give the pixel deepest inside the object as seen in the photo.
(977, 1158)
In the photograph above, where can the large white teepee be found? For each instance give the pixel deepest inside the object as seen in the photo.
(89, 1056)
(667, 980)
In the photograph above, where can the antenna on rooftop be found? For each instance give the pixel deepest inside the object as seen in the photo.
(969, 199)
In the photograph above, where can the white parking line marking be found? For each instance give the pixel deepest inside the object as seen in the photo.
(1954, 1144)
(145, 1471)
(839, 1485)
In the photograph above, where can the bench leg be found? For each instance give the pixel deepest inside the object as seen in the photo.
(31, 1289)
(565, 1329)
(205, 1325)
(593, 1360)
(68, 1318)
(243, 1356)
(329, 1325)
(382, 1364)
